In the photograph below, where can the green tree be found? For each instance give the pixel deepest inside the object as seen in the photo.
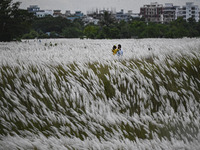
(198, 28)
(91, 31)
(106, 31)
(193, 27)
(14, 21)
(153, 30)
(50, 24)
(114, 33)
(101, 35)
(31, 35)
(162, 29)
(179, 28)
(107, 19)
(71, 32)
(136, 28)
(171, 33)
(124, 29)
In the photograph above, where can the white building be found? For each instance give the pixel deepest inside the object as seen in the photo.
(170, 12)
(88, 20)
(189, 10)
(43, 13)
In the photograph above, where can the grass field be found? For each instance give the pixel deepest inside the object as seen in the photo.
(74, 94)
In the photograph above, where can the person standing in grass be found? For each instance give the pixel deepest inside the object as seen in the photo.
(120, 51)
(114, 50)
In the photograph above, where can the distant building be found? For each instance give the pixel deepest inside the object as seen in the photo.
(33, 9)
(170, 12)
(152, 12)
(157, 13)
(67, 13)
(57, 13)
(121, 15)
(126, 16)
(89, 20)
(77, 15)
(199, 15)
(93, 14)
(103, 11)
(133, 15)
(189, 10)
(43, 13)
(98, 14)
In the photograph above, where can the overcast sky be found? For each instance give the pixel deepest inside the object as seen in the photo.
(88, 5)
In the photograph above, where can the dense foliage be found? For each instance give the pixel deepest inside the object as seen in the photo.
(16, 23)
(140, 29)
(108, 28)
(55, 27)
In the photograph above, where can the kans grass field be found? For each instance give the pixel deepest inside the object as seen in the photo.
(74, 94)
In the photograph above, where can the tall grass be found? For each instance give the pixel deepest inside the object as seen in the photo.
(141, 103)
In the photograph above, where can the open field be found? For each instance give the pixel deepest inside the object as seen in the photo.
(74, 94)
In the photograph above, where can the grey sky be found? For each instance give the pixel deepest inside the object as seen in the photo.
(88, 5)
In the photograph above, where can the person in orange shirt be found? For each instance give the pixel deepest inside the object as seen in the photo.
(114, 50)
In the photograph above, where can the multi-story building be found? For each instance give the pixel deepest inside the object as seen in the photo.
(189, 10)
(157, 13)
(152, 12)
(121, 16)
(170, 12)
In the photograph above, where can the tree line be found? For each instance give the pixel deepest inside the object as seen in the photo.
(17, 24)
